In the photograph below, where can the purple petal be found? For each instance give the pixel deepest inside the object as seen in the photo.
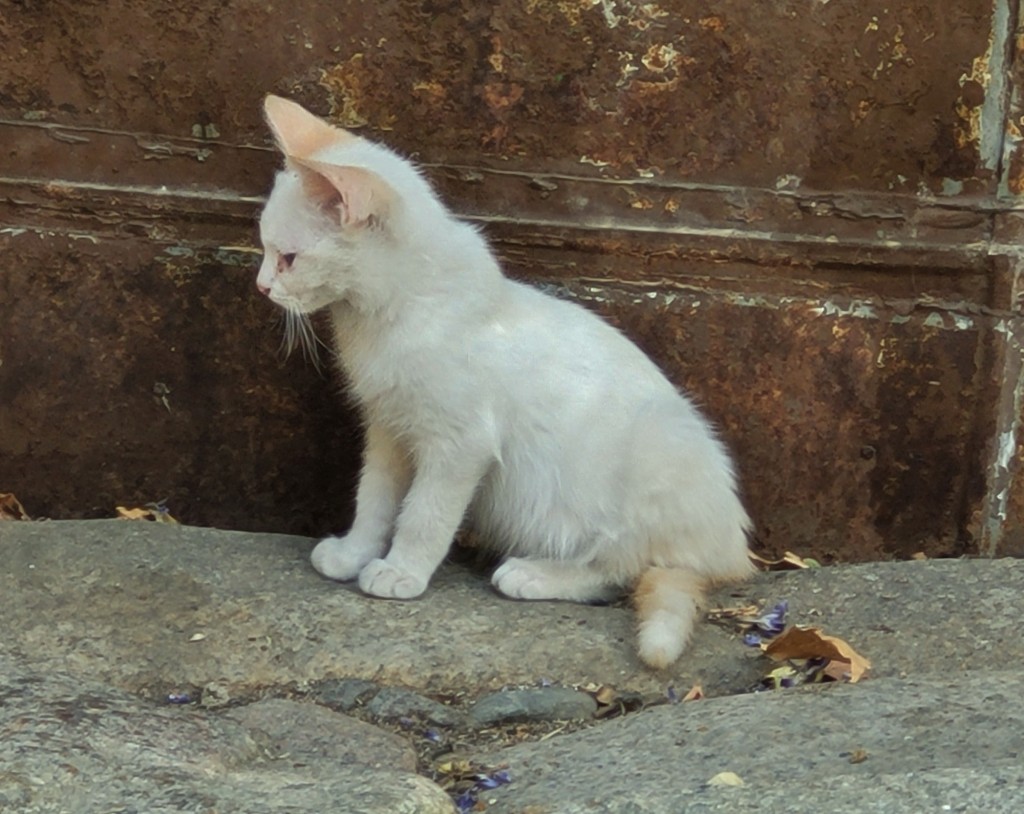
(433, 735)
(774, 621)
(752, 638)
(493, 780)
(466, 801)
(179, 698)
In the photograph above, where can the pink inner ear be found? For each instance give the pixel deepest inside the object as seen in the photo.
(299, 133)
(316, 187)
(363, 194)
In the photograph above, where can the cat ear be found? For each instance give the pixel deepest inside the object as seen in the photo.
(360, 195)
(363, 198)
(298, 133)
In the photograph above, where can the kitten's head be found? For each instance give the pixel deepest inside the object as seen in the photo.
(337, 211)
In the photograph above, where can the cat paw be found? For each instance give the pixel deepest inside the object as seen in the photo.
(382, 578)
(342, 558)
(522, 579)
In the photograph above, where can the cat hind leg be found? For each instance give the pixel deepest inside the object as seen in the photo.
(535, 578)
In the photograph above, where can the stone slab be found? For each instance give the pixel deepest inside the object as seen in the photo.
(104, 618)
(152, 607)
(930, 743)
(74, 746)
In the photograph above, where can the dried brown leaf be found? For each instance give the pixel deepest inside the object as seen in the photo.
(11, 508)
(695, 694)
(810, 642)
(151, 514)
(737, 612)
(605, 694)
(788, 562)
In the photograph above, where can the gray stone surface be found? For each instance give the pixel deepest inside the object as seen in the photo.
(662, 758)
(540, 704)
(320, 739)
(393, 703)
(69, 745)
(103, 619)
(346, 694)
(90, 596)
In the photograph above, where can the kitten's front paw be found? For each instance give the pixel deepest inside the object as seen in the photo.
(522, 579)
(381, 578)
(342, 558)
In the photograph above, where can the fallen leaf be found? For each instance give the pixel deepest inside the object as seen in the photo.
(156, 512)
(197, 637)
(605, 694)
(810, 642)
(726, 779)
(858, 756)
(787, 562)
(781, 677)
(733, 613)
(920, 555)
(695, 694)
(837, 670)
(10, 508)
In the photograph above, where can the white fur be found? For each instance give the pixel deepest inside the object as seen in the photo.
(562, 442)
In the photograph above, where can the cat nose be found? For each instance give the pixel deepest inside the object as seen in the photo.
(263, 290)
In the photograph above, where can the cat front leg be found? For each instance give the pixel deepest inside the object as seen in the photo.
(387, 472)
(433, 509)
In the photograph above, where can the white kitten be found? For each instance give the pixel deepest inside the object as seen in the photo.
(565, 446)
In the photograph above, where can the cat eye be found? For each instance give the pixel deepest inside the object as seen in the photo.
(288, 259)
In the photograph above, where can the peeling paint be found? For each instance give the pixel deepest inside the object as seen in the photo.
(347, 90)
(982, 120)
(858, 310)
(611, 19)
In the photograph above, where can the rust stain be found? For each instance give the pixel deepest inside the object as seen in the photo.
(969, 103)
(711, 23)
(348, 86)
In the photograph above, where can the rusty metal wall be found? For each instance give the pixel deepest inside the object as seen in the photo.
(806, 211)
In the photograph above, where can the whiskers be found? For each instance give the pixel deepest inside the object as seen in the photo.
(300, 333)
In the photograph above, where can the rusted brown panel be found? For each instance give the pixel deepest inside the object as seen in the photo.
(748, 190)
(853, 423)
(869, 95)
(161, 379)
(689, 92)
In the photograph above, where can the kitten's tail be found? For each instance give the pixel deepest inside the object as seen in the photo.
(667, 601)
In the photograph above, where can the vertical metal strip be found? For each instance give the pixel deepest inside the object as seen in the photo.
(1001, 139)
